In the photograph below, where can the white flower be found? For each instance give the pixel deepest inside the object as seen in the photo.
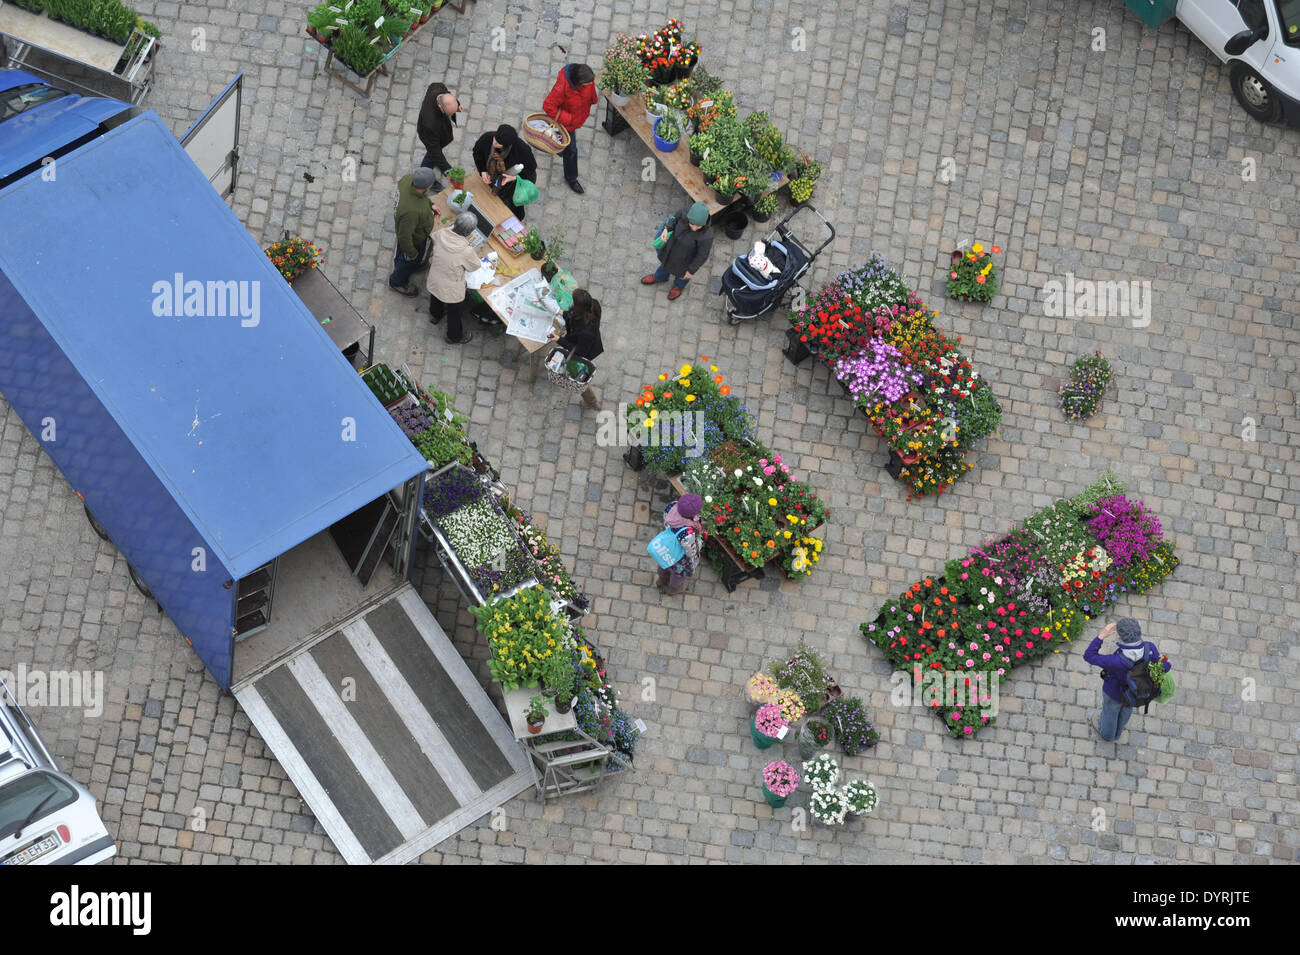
(739, 472)
(708, 499)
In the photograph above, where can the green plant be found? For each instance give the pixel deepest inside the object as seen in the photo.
(555, 249)
(396, 26)
(321, 20)
(559, 677)
(1081, 395)
(456, 174)
(623, 73)
(36, 6)
(522, 634)
(801, 190)
(765, 205)
(353, 48)
(669, 128)
(1106, 485)
(982, 418)
(532, 242)
(804, 166)
(805, 673)
(972, 275)
(536, 712)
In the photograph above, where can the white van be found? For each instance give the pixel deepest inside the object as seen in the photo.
(46, 818)
(1260, 40)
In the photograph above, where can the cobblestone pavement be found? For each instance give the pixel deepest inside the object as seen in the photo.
(1124, 164)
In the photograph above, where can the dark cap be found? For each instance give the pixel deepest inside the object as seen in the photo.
(505, 135)
(1128, 630)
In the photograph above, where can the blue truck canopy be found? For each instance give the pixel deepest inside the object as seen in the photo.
(190, 339)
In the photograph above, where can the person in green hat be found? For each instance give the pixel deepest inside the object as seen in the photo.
(688, 240)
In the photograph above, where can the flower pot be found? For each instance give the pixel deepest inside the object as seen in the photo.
(663, 145)
(651, 118)
(773, 800)
(548, 271)
(458, 186)
(536, 727)
(735, 224)
(759, 218)
(563, 706)
(761, 741)
(696, 158)
(618, 99)
(808, 747)
(726, 198)
(463, 204)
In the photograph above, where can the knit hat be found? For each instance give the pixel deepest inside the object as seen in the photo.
(505, 135)
(423, 178)
(689, 506)
(698, 214)
(1128, 630)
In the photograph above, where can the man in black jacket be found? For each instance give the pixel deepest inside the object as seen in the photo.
(689, 242)
(495, 154)
(436, 125)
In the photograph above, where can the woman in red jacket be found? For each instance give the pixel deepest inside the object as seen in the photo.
(569, 103)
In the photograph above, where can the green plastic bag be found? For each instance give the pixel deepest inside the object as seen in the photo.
(525, 192)
(562, 285)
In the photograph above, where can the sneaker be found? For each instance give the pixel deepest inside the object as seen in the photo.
(577, 187)
(468, 336)
(408, 289)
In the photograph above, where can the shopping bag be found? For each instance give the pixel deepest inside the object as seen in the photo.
(666, 548)
(659, 242)
(525, 192)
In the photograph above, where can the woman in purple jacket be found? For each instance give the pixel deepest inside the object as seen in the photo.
(683, 517)
(1131, 649)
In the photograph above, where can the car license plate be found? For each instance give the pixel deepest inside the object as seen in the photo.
(35, 850)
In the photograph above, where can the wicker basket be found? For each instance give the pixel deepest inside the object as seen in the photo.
(542, 132)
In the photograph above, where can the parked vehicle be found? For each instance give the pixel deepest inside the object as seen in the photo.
(1258, 39)
(46, 817)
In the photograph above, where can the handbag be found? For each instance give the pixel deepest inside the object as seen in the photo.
(659, 243)
(525, 192)
(666, 548)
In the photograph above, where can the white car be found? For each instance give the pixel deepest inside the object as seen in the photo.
(46, 818)
(1260, 40)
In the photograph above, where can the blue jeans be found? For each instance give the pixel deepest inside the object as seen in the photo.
(662, 275)
(570, 157)
(404, 268)
(1114, 717)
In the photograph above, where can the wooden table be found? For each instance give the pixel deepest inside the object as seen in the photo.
(678, 162)
(516, 263)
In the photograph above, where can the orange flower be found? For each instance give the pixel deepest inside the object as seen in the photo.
(971, 257)
(704, 358)
(997, 250)
(717, 379)
(640, 402)
(725, 390)
(668, 394)
(980, 279)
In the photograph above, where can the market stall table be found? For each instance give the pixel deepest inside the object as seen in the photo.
(343, 323)
(678, 162)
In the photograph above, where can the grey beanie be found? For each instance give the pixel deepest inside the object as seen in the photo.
(423, 178)
(1128, 630)
(465, 224)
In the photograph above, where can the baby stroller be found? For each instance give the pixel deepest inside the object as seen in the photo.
(748, 294)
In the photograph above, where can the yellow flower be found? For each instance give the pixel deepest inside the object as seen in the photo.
(713, 368)
(686, 382)
(977, 248)
(787, 535)
(771, 501)
(690, 397)
(686, 370)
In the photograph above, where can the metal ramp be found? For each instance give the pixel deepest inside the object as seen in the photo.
(386, 733)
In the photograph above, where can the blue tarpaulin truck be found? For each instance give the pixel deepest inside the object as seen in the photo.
(257, 490)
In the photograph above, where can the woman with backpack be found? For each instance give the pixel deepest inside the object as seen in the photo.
(1123, 689)
(683, 519)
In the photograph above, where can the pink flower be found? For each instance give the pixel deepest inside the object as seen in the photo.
(967, 730)
(988, 656)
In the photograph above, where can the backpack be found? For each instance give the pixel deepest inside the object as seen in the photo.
(1139, 689)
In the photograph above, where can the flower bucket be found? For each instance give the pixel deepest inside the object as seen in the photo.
(662, 144)
(761, 741)
(808, 747)
(773, 800)
(618, 99)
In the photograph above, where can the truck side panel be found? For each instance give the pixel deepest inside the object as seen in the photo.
(99, 461)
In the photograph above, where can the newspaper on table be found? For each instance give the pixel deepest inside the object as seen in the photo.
(529, 305)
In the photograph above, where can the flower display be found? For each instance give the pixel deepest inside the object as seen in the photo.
(851, 722)
(1020, 597)
(1080, 397)
(761, 688)
(781, 778)
(792, 708)
(668, 413)
(828, 806)
(294, 256)
(521, 635)
(821, 772)
(913, 384)
(769, 722)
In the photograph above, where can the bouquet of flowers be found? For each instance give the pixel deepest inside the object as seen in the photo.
(861, 797)
(821, 772)
(780, 778)
(828, 806)
(294, 256)
(1081, 395)
(769, 722)
(761, 689)
(791, 707)
(973, 276)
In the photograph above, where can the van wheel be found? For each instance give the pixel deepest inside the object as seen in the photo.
(139, 584)
(95, 525)
(1255, 95)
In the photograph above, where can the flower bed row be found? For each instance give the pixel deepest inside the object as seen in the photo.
(912, 382)
(110, 19)
(364, 33)
(1018, 598)
(756, 511)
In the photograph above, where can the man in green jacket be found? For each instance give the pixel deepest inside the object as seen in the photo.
(413, 221)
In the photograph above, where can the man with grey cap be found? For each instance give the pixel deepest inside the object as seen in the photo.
(450, 260)
(1118, 697)
(413, 221)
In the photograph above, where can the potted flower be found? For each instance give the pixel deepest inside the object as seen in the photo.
(791, 707)
(536, 714)
(668, 132)
(779, 782)
(554, 252)
(814, 736)
(1081, 395)
(655, 105)
(763, 207)
(828, 807)
(456, 174)
(533, 244)
(767, 726)
(821, 772)
(851, 722)
(972, 276)
(860, 796)
(760, 689)
(623, 75)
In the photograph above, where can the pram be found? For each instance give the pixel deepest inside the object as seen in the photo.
(748, 294)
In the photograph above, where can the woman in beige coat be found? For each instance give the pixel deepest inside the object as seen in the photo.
(451, 258)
